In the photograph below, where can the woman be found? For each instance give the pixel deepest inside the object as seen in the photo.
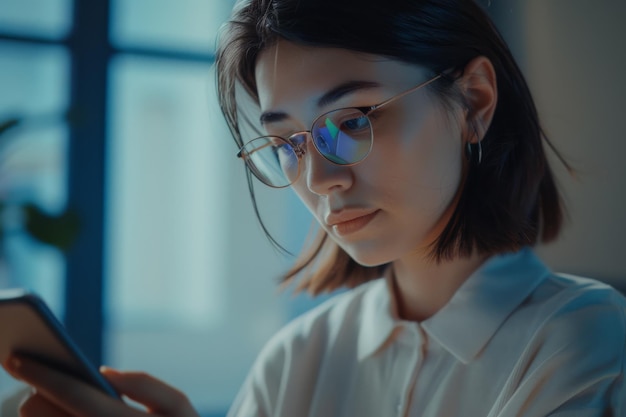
(408, 131)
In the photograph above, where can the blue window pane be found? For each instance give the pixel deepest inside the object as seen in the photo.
(34, 79)
(47, 18)
(184, 24)
(162, 199)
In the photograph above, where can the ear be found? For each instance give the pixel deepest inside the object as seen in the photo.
(480, 90)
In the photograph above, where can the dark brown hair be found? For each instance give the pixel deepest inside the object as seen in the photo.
(508, 200)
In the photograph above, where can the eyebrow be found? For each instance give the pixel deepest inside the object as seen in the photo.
(328, 98)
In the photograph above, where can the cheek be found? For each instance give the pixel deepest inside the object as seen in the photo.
(440, 159)
(426, 152)
(309, 199)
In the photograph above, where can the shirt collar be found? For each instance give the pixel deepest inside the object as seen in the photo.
(469, 320)
(472, 316)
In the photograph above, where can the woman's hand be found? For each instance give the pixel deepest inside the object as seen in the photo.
(58, 394)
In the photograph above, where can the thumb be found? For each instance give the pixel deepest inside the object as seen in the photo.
(151, 392)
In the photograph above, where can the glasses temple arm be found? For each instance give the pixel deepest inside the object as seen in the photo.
(409, 91)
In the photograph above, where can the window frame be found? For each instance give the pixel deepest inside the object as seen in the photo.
(90, 52)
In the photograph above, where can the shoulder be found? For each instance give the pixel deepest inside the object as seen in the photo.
(340, 313)
(581, 316)
(307, 338)
(564, 294)
(326, 337)
(571, 335)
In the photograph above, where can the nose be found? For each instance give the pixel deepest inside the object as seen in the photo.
(323, 176)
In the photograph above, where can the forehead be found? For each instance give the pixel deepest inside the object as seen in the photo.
(287, 73)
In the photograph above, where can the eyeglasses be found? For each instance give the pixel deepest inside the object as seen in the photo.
(344, 137)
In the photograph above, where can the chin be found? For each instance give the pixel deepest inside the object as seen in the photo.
(369, 258)
(376, 253)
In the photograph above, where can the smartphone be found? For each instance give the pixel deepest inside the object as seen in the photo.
(28, 327)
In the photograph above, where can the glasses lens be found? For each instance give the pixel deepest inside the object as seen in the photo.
(272, 160)
(343, 136)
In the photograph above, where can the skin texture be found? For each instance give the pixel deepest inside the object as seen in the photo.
(403, 193)
(406, 189)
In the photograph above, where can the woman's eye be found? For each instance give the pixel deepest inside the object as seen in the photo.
(357, 123)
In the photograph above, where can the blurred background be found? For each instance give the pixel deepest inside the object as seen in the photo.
(123, 205)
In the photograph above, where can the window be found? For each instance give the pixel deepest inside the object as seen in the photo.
(171, 273)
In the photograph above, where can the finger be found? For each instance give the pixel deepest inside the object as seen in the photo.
(37, 405)
(153, 393)
(67, 393)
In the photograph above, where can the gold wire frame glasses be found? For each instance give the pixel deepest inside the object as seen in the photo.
(343, 136)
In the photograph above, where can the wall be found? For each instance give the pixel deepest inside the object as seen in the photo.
(573, 54)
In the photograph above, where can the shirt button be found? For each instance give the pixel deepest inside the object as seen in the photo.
(399, 407)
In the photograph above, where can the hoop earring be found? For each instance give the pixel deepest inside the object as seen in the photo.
(480, 151)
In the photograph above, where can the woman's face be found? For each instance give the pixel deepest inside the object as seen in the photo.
(394, 203)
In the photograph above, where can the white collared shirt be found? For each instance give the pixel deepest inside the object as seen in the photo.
(515, 340)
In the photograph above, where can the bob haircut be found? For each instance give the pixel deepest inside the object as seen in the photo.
(508, 199)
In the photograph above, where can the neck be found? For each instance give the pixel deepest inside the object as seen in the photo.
(423, 286)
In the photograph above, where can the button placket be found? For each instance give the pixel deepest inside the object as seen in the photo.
(413, 338)
(399, 405)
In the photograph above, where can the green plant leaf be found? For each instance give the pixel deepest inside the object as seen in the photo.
(9, 124)
(56, 230)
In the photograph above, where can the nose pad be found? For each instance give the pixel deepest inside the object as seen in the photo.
(299, 143)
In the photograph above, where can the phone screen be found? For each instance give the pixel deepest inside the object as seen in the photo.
(27, 326)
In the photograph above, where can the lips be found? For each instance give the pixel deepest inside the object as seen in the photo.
(348, 221)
